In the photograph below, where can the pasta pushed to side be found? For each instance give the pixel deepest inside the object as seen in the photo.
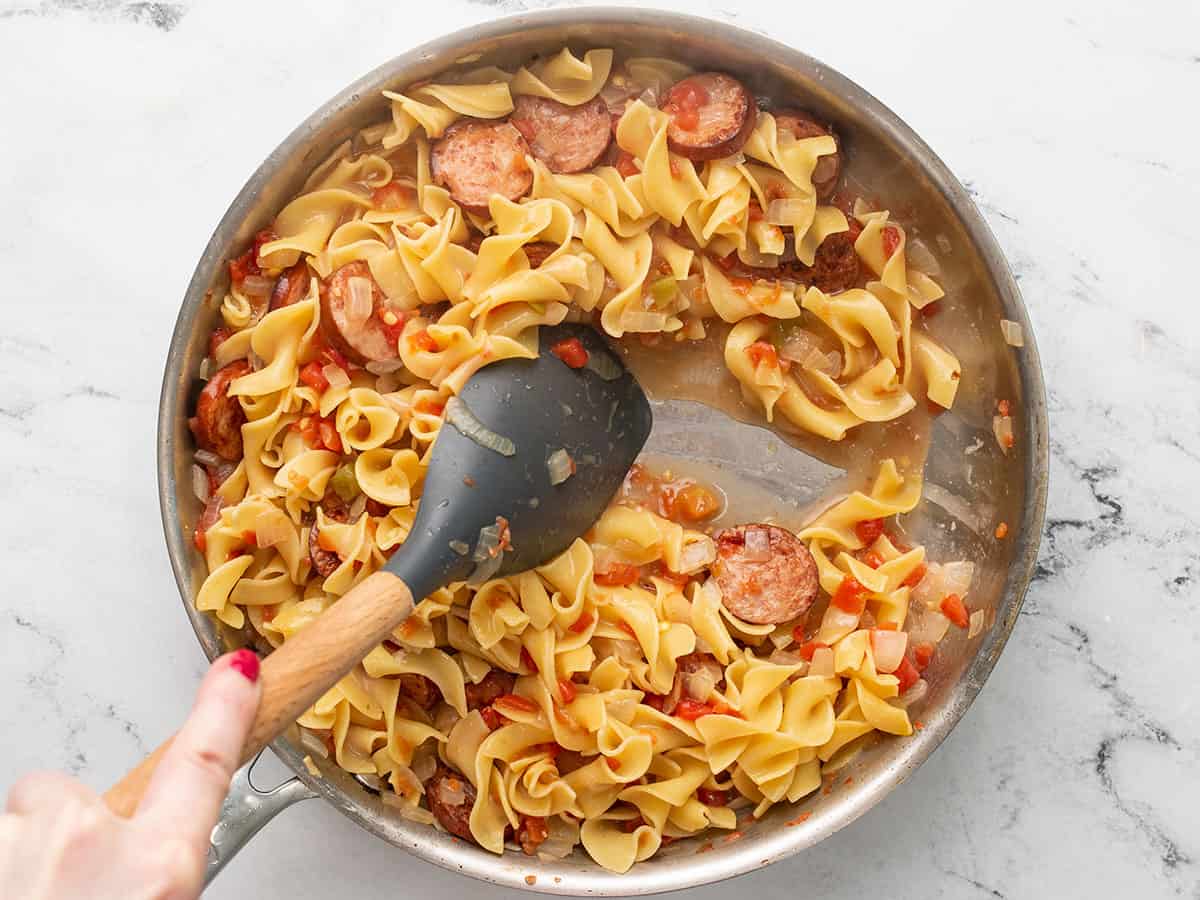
(611, 698)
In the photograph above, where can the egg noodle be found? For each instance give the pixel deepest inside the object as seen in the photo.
(583, 744)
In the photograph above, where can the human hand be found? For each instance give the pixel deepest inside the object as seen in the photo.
(58, 840)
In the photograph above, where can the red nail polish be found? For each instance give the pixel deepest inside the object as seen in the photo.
(246, 662)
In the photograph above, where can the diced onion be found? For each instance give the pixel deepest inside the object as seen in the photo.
(943, 243)
(384, 367)
(336, 376)
(272, 529)
(942, 579)
(822, 663)
(976, 623)
(889, 647)
(562, 836)
(1014, 336)
(671, 700)
(488, 545)
(370, 782)
(460, 547)
(781, 637)
(641, 321)
(920, 256)
(787, 211)
(697, 555)
(736, 159)
(559, 466)
(206, 365)
(361, 301)
(207, 458)
(650, 97)
(788, 658)
(1002, 428)
(257, 286)
(200, 484)
(460, 416)
(699, 684)
(424, 764)
(837, 622)
(926, 625)
(311, 765)
(758, 545)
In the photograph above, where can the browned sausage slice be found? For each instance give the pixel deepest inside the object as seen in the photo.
(836, 266)
(711, 115)
(829, 167)
(420, 690)
(451, 798)
(495, 684)
(566, 138)
(217, 425)
(362, 340)
(475, 159)
(765, 573)
(325, 562)
(291, 286)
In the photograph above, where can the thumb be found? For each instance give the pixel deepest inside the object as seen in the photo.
(185, 793)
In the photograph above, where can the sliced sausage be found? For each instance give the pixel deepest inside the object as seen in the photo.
(325, 562)
(217, 425)
(451, 798)
(711, 116)
(567, 139)
(361, 340)
(475, 159)
(829, 167)
(291, 286)
(495, 684)
(836, 266)
(420, 690)
(765, 573)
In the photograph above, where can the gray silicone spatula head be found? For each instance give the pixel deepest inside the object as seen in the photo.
(492, 459)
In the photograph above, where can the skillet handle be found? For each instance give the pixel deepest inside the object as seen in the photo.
(296, 674)
(245, 812)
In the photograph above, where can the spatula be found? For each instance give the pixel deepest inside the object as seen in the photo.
(497, 457)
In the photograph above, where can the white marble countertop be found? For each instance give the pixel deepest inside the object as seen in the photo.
(130, 126)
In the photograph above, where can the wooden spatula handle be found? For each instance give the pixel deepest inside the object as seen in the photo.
(300, 671)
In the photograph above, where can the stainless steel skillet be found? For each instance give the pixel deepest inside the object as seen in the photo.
(970, 491)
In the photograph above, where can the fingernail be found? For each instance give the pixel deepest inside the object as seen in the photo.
(246, 662)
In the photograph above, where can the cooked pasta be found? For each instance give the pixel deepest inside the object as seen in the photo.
(661, 674)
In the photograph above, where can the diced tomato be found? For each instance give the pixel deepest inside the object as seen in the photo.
(566, 690)
(200, 539)
(247, 263)
(887, 626)
(572, 352)
(392, 322)
(580, 625)
(1001, 531)
(250, 539)
(531, 834)
(333, 357)
(375, 508)
(808, 648)
(654, 701)
(329, 435)
(891, 240)
(269, 611)
(1004, 408)
(955, 610)
(312, 375)
(491, 718)
(711, 797)
(627, 628)
(691, 710)
(626, 166)
(872, 559)
(923, 655)
(850, 596)
(392, 195)
(217, 338)
(617, 575)
(913, 578)
(908, 674)
(527, 659)
(869, 530)
(423, 340)
(613, 763)
(694, 503)
(516, 702)
(760, 352)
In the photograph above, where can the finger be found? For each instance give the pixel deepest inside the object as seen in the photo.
(185, 793)
(40, 790)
